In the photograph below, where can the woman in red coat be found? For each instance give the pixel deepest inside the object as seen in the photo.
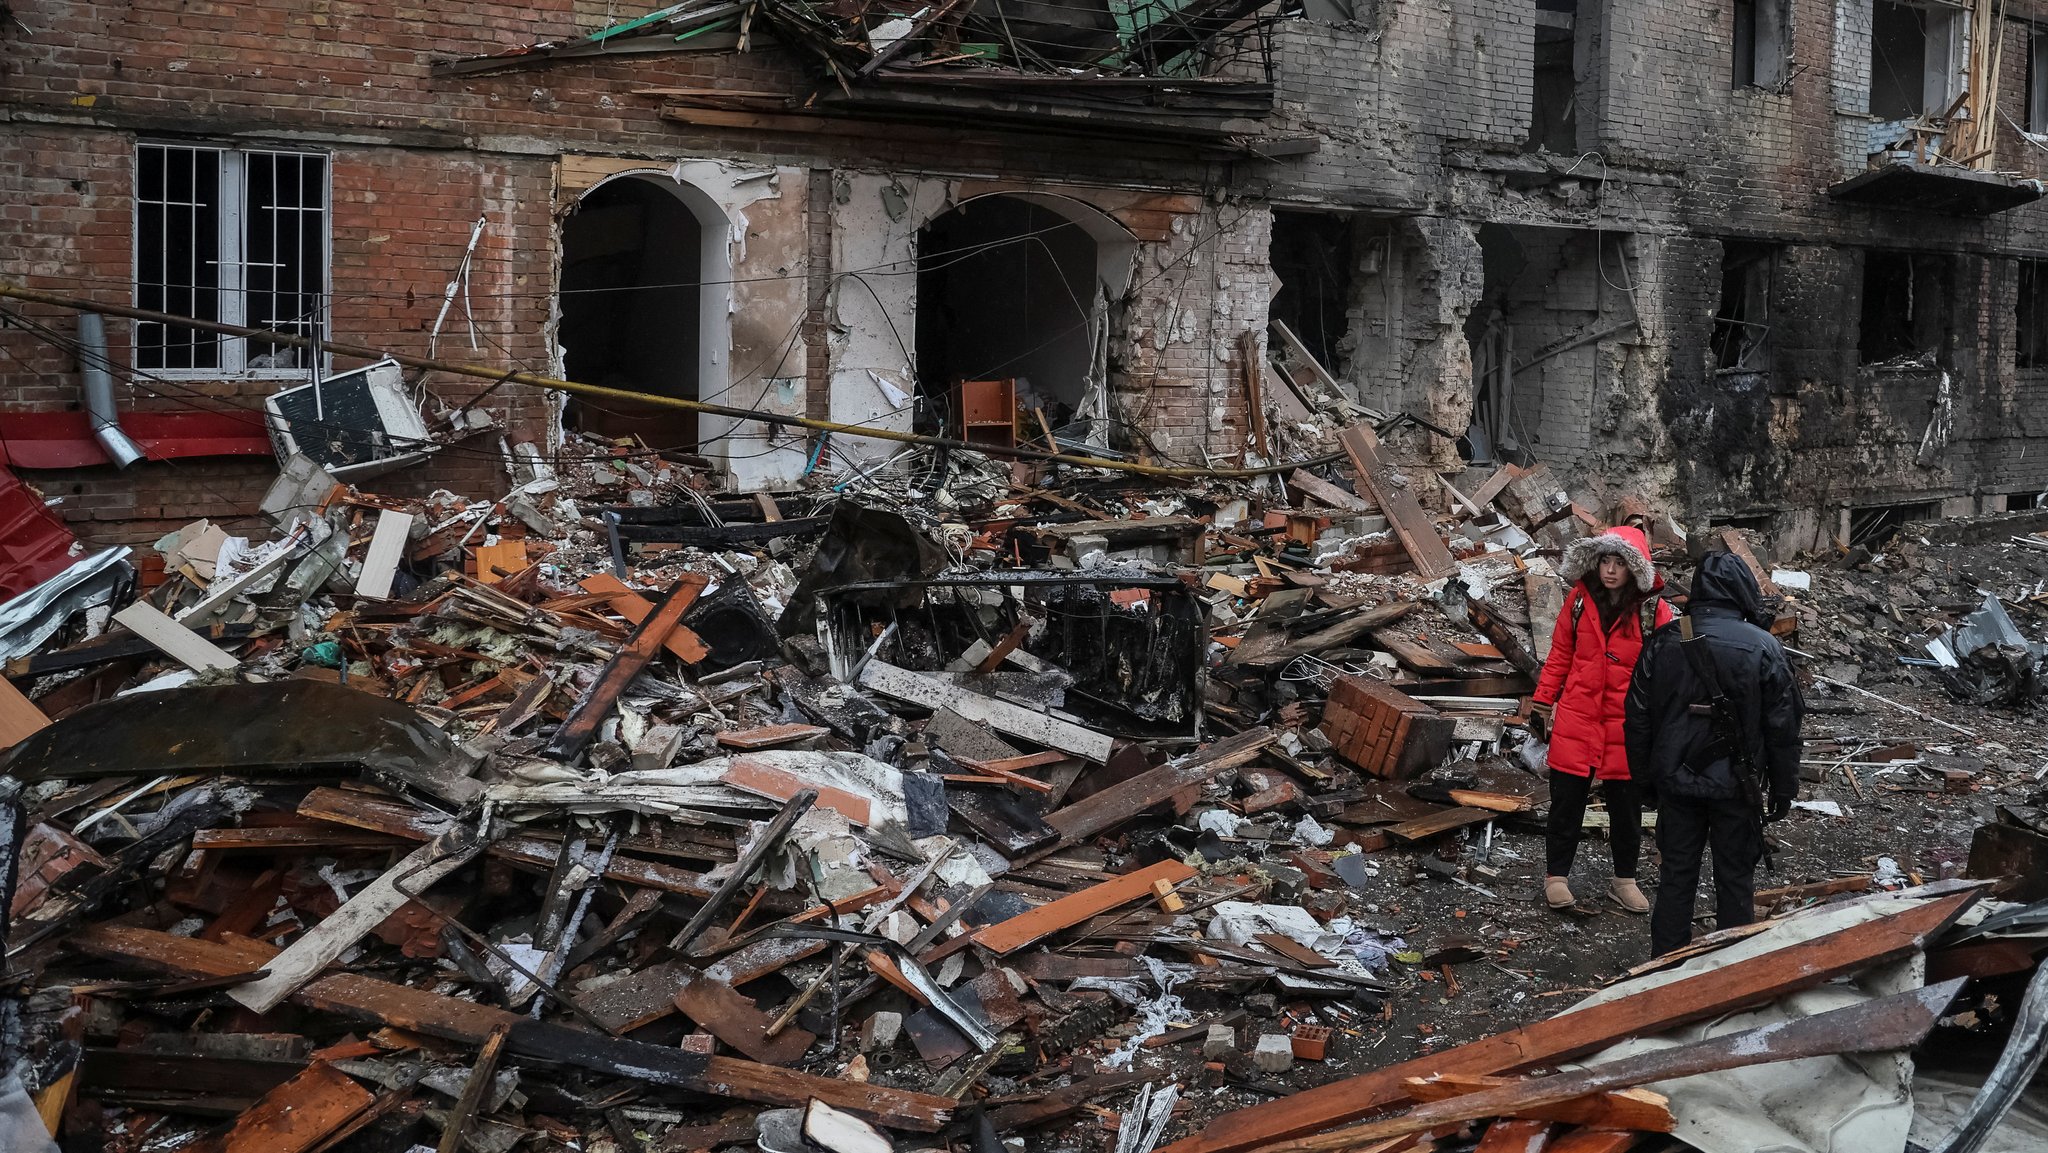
(1612, 606)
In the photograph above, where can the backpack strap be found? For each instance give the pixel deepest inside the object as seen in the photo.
(1648, 620)
(1578, 607)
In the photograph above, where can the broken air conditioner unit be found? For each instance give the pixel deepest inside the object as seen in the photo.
(356, 424)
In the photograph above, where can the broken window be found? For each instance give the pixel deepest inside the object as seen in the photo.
(2032, 326)
(632, 263)
(1760, 27)
(1553, 122)
(1742, 325)
(1007, 291)
(1873, 525)
(238, 237)
(1916, 55)
(1312, 254)
(2037, 83)
(1906, 305)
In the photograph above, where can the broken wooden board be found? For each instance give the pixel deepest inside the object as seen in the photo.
(1121, 802)
(627, 662)
(494, 562)
(1595, 1141)
(1638, 1108)
(684, 643)
(365, 998)
(381, 815)
(387, 548)
(293, 1117)
(1272, 648)
(19, 716)
(1328, 493)
(761, 779)
(639, 999)
(1004, 717)
(771, 736)
(1898, 1022)
(364, 911)
(1397, 503)
(1739, 984)
(173, 639)
(733, 1018)
(1047, 919)
(1515, 1135)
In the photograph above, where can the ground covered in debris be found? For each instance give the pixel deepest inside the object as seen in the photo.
(985, 804)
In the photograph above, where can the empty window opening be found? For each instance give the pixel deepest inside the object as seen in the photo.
(1760, 42)
(1873, 525)
(1006, 291)
(2018, 501)
(2032, 326)
(2037, 83)
(1906, 306)
(1916, 55)
(1553, 120)
(238, 237)
(632, 256)
(1313, 255)
(1742, 326)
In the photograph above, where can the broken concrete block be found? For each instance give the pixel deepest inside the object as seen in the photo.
(880, 1031)
(1274, 1054)
(1262, 1005)
(1220, 1043)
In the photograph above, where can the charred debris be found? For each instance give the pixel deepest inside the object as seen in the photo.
(1091, 812)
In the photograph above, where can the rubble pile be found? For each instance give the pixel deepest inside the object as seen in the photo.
(971, 806)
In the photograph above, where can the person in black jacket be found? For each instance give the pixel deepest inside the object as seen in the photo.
(1676, 758)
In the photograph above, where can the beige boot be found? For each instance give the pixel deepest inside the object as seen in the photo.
(1629, 895)
(1558, 892)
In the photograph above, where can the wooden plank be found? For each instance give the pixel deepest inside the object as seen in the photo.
(379, 815)
(366, 909)
(1294, 951)
(1398, 504)
(387, 546)
(770, 736)
(364, 998)
(1614, 1109)
(1120, 802)
(1515, 1135)
(750, 775)
(1024, 928)
(1493, 486)
(1739, 984)
(628, 662)
(686, 645)
(1328, 493)
(1898, 1022)
(293, 1117)
(173, 639)
(734, 1019)
(1437, 824)
(19, 716)
(1002, 716)
(473, 1091)
(640, 999)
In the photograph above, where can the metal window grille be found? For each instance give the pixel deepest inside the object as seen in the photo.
(233, 236)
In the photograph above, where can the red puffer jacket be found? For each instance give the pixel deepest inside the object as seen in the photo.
(1587, 674)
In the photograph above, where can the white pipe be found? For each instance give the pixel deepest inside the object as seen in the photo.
(99, 392)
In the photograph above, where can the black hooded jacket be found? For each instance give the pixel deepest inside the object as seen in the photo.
(1668, 745)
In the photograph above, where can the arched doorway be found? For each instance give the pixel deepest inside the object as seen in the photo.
(644, 272)
(1018, 287)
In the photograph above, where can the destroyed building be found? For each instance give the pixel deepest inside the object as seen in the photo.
(1770, 262)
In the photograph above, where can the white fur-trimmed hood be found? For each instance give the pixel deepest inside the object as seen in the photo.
(1582, 556)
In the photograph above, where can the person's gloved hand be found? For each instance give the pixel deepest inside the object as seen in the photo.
(1539, 720)
(1781, 807)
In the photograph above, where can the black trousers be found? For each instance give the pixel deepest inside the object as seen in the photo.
(1568, 794)
(1687, 826)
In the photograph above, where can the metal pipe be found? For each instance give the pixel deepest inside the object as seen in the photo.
(99, 392)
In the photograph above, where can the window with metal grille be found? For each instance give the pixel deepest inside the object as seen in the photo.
(238, 237)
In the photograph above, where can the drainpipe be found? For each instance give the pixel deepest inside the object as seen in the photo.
(99, 392)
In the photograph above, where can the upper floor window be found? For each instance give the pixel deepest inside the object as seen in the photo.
(238, 237)
(1760, 42)
(2037, 83)
(1918, 53)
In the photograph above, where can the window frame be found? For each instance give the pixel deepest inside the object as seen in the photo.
(230, 258)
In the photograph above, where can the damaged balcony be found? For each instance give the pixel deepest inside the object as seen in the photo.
(1911, 186)
(1191, 73)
